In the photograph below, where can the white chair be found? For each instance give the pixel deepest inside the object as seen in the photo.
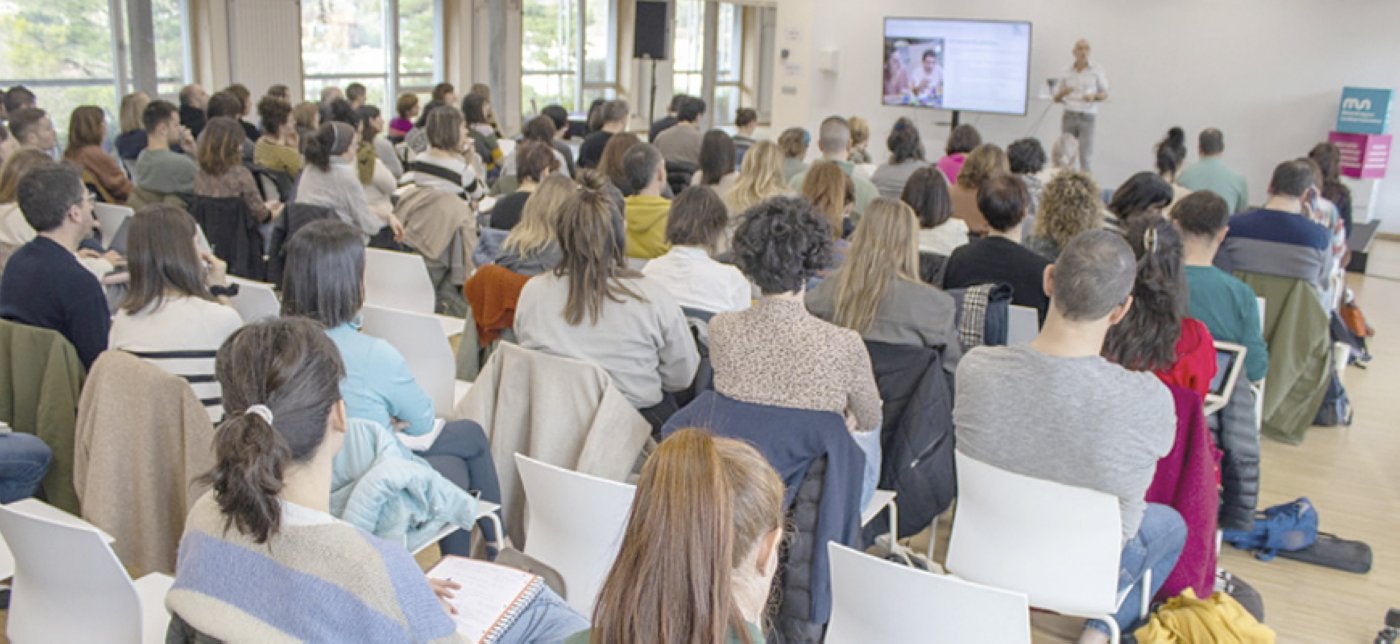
(420, 339)
(574, 523)
(70, 587)
(874, 601)
(484, 510)
(1022, 324)
(110, 219)
(398, 281)
(41, 509)
(255, 300)
(1056, 543)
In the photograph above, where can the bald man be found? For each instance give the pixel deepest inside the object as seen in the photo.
(1081, 90)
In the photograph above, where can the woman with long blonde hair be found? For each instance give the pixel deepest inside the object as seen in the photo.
(131, 139)
(530, 248)
(1070, 205)
(877, 292)
(760, 177)
(700, 549)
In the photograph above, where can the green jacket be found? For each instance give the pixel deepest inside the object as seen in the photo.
(39, 395)
(1300, 345)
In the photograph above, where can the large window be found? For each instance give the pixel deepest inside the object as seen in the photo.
(389, 46)
(688, 72)
(568, 53)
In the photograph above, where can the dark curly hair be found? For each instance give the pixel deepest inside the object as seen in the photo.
(781, 243)
(1026, 156)
(1145, 340)
(904, 142)
(1142, 193)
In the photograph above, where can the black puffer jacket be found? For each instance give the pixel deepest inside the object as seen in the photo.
(1236, 432)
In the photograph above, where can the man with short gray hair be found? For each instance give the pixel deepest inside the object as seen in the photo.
(1056, 410)
(834, 142)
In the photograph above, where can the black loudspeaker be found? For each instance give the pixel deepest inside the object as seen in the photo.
(649, 39)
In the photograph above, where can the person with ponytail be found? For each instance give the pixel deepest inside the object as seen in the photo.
(262, 543)
(700, 549)
(1171, 155)
(330, 180)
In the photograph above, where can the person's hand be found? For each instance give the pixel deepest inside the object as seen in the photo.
(397, 227)
(1309, 205)
(443, 589)
(217, 268)
(115, 258)
(274, 208)
(186, 139)
(88, 253)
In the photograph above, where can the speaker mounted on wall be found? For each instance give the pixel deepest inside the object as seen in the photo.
(651, 29)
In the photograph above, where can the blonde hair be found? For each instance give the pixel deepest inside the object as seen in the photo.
(539, 216)
(760, 177)
(829, 188)
(703, 505)
(860, 130)
(1069, 206)
(133, 105)
(884, 247)
(984, 161)
(15, 167)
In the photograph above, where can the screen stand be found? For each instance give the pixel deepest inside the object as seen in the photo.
(651, 105)
(956, 114)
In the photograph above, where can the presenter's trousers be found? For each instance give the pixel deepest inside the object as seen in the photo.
(1081, 125)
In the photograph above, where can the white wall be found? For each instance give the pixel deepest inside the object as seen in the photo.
(1267, 72)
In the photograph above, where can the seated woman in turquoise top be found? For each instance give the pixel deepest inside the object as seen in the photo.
(324, 280)
(701, 546)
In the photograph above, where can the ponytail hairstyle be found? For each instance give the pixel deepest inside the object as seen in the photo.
(281, 380)
(591, 260)
(330, 141)
(703, 505)
(1145, 340)
(1171, 152)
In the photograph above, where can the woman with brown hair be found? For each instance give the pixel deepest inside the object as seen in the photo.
(833, 193)
(794, 142)
(592, 307)
(939, 231)
(984, 162)
(87, 128)
(277, 149)
(221, 170)
(610, 164)
(700, 549)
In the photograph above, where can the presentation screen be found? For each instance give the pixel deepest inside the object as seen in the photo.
(970, 65)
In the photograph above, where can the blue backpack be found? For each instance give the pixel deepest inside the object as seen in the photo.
(1287, 526)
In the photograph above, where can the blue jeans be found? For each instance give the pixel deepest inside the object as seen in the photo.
(462, 454)
(1155, 547)
(545, 619)
(24, 459)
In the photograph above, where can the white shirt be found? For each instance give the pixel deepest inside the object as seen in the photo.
(697, 281)
(926, 85)
(180, 324)
(1084, 83)
(943, 238)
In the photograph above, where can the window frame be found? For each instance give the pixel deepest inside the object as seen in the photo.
(581, 84)
(393, 77)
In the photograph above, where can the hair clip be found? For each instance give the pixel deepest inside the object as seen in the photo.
(1149, 240)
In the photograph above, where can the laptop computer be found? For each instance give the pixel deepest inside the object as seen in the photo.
(1229, 362)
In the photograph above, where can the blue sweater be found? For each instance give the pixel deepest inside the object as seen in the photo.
(45, 286)
(378, 385)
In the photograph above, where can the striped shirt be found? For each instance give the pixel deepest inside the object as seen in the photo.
(180, 335)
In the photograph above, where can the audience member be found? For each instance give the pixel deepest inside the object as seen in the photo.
(687, 271)
(531, 248)
(1064, 157)
(593, 120)
(1090, 423)
(170, 315)
(1145, 193)
(984, 162)
(615, 115)
(245, 109)
(776, 353)
(537, 130)
(961, 142)
(1000, 257)
(329, 180)
(1281, 237)
(832, 193)
(1156, 335)
(1329, 159)
(877, 292)
(592, 308)
(280, 92)
(355, 95)
(372, 121)
(860, 141)
(534, 162)
(484, 91)
(834, 143)
(906, 156)
(406, 108)
(728, 502)
(15, 230)
(444, 94)
(1211, 173)
(329, 95)
(610, 164)
(227, 104)
(44, 285)
(1026, 159)
(160, 169)
(87, 129)
(760, 177)
(665, 123)
(1171, 156)
(794, 142)
(19, 97)
(33, 129)
(450, 162)
(307, 116)
(8, 145)
(745, 124)
(132, 139)
(560, 117)
(680, 143)
(940, 232)
(476, 109)
(193, 103)
(221, 175)
(1070, 205)
(646, 210)
(717, 167)
(267, 519)
(277, 148)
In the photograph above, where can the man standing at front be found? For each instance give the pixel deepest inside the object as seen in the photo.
(1081, 90)
(1056, 410)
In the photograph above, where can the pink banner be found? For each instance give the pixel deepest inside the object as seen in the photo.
(1364, 156)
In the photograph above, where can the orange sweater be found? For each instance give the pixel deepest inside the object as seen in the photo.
(103, 169)
(493, 292)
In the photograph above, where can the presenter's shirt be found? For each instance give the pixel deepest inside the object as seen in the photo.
(1090, 81)
(927, 85)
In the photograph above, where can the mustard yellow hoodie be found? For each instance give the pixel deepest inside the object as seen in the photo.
(646, 226)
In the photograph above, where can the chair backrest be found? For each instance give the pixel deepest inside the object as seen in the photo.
(420, 338)
(110, 219)
(874, 600)
(68, 585)
(255, 300)
(268, 187)
(1056, 543)
(575, 524)
(398, 281)
(1023, 324)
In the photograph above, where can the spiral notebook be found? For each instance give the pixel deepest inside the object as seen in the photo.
(491, 596)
